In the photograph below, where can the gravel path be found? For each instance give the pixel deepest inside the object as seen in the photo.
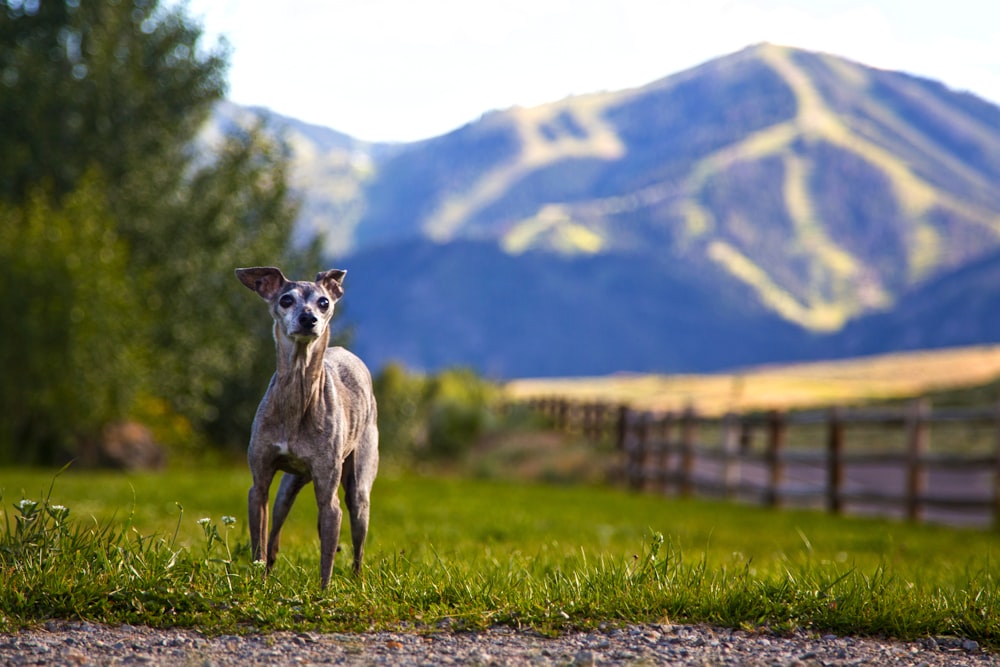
(74, 643)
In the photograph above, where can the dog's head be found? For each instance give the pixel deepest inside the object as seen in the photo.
(301, 309)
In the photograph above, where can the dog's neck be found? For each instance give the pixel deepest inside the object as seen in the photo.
(301, 380)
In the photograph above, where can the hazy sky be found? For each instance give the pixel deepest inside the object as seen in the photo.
(387, 70)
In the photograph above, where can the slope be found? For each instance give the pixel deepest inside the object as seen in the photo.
(957, 309)
(825, 186)
(468, 303)
(723, 216)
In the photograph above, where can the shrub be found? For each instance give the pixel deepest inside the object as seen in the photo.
(432, 417)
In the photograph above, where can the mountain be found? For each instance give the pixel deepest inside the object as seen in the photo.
(742, 211)
(328, 171)
(430, 305)
(955, 310)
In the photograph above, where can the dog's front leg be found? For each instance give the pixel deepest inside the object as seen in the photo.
(257, 515)
(330, 516)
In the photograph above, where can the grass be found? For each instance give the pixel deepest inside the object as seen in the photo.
(470, 553)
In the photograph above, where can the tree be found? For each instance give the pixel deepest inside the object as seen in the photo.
(72, 356)
(217, 350)
(101, 106)
(118, 85)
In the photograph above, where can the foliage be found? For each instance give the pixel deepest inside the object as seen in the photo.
(122, 228)
(436, 417)
(214, 339)
(460, 410)
(401, 412)
(478, 553)
(74, 360)
(122, 86)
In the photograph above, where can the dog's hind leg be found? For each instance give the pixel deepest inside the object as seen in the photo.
(359, 475)
(287, 491)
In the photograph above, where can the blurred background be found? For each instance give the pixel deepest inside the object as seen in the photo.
(564, 191)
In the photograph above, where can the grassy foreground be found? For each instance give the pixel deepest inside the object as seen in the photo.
(117, 548)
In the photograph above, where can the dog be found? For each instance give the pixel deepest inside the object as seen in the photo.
(316, 423)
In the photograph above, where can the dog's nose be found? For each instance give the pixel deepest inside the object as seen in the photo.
(307, 320)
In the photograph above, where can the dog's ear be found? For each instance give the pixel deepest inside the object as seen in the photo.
(265, 280)
(332, 281)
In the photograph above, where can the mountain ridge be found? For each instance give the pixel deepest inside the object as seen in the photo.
(824, 189)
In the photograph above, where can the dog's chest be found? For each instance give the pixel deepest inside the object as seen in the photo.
(286, 458)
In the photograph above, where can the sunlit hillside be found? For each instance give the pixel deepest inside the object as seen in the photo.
(736, 213)
(817, 384)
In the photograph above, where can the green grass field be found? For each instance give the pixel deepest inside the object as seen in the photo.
(479, 553)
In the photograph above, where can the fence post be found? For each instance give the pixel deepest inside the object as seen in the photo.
(600, 421)
(560, 414)
(730, 461)
(916, 445)
(775, 444)
(552, 411)
(664, 434)
(642, 452)
(590, 421)
(996, 471)
(835, 462)
(630, 445)
(621, 427)
(689, 432)
(623, 445)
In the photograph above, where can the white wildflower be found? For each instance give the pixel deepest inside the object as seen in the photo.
(27, 505)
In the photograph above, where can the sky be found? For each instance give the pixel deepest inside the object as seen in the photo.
(404, 70)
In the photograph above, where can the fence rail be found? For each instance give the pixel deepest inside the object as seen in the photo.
(872, 461)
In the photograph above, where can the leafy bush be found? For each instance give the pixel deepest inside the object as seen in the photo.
(74, 361)
(436, 417)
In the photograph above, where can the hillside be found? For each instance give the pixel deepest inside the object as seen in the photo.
(957, 376)
(734, 213)
(826, 186)
(955, 310)
(329, 169)
(431, 305)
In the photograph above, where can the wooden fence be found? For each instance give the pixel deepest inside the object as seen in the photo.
(869, 461)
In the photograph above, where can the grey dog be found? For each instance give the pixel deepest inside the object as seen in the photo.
(317, 421)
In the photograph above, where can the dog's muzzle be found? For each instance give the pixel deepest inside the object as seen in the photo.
(307, 321)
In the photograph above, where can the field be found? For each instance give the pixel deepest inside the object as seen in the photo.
(471, 553)
(850, 381)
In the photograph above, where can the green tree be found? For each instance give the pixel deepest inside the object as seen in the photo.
(104, 103)
(216, 342)
(72, 356)
(120, 85)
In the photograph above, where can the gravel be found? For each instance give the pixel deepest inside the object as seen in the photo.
(78, 643)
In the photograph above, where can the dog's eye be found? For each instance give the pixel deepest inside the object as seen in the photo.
(323, 303)
(286, 301)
